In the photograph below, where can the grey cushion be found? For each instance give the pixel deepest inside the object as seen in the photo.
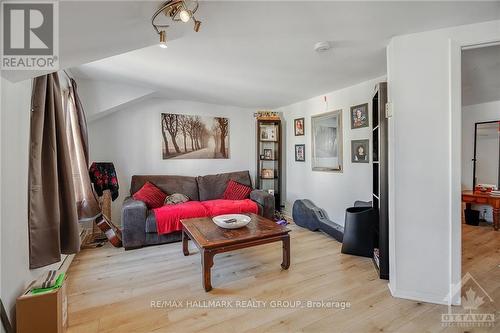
(176, 198)
(168, 184)
(212, 187)
(151, 222)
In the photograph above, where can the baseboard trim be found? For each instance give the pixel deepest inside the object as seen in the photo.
(419, 297)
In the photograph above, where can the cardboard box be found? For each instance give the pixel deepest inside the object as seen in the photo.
(42, 313)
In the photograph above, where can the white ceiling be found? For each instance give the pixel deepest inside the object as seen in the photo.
(481, 75)
(248, 53)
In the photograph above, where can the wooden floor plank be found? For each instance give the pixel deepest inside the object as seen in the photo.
(111, 290)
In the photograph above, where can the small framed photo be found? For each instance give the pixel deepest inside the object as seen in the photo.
(359, 116)
(298, 125)
(300, 153)
(268, 154)
(268, 133)
(267, 173)
(360, 151)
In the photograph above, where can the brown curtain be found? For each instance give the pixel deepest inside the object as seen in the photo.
(76, 129)
(82, 122)
(52, 217)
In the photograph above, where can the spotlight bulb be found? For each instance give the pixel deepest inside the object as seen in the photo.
(185, 15)
(197, 25)
(163, 39)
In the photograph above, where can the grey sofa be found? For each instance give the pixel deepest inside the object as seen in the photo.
(139, 224)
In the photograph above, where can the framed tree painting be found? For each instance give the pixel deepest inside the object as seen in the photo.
(194, 137)
(327, 141)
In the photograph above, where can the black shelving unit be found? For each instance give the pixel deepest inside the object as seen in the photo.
(380, 179)
(273, 163)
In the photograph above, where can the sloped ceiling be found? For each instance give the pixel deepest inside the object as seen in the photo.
(260, 54)
(248, 53)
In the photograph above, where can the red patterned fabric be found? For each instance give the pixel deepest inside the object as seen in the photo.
(220, 207)
(151, 195)
(168, 217)
(236, 191)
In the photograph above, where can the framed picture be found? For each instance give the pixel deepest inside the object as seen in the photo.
(360, 151)
(179, 141)
(268, 154)
(300, 153)
(359, 116)
(298, 125)
(327, 141)
(268, 133)
(267, 173)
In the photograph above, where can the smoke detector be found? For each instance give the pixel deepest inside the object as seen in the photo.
(322, 47)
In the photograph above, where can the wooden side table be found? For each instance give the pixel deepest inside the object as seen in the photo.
(484, 198)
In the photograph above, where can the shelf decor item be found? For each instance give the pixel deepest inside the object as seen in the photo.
(300, 153)
(268, 177)
(360, 151)
(327, 141)
(267, 173)
(298, 125)
(268, 133)
(267, 115)
(268, 154)
(359, 116)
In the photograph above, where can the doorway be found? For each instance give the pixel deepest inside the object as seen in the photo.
(480, 173)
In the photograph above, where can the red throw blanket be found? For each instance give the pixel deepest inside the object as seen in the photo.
(168, 217)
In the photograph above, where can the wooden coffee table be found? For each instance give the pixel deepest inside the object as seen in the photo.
(211, 239)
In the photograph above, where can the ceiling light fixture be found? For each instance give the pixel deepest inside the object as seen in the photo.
(163, 39)
(185, 15)
(177, 10)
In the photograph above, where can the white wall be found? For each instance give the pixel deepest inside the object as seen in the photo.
(131, 139)
(470, 115)
(14, 139)
(332, 191)
(15, 126)
(423, 73)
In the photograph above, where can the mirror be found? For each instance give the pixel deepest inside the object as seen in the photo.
(327, 141)
(487, 153)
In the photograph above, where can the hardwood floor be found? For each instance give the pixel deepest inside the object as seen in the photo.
(111, 290)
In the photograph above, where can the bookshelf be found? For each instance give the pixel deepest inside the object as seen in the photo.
(269, 153)
(380, 179)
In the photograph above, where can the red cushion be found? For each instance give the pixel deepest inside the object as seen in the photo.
(236, 191)
(151, 195)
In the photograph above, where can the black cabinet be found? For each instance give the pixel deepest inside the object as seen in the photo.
(380, 179)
